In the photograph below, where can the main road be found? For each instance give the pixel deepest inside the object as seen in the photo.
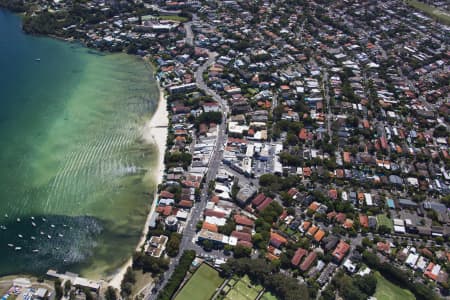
(189, 232)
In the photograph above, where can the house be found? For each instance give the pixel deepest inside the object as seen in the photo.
(242, 236)
(156, 245)
(330, 242)
(210, 227)
(341, 250)
(384, 247)
(243, 221)
(364, 220)
(309, 260)
(299, 254)
(319, 235)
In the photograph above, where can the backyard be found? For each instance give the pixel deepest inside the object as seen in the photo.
(384, 220)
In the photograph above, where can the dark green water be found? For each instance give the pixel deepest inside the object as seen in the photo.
(72, 164)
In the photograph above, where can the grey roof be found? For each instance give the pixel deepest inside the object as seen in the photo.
(394, 179)
(406, 202)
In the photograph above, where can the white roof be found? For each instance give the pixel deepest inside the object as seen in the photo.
(399, 229)
(412, 259)
(181, 214)
(216, 221)
(421, 263)
(399, 222)
(368, 198)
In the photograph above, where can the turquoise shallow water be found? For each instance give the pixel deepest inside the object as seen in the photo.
(72, 165)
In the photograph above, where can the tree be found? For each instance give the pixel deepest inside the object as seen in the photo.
(207, 245)
(58, 289)
(88, 294)
(199, 225)
(110, 293)
(241, 251)
(67, 287)
(173, 245)
(383, 229)
(228, 228)
(367, 284)
(126, 289)
(126, 285)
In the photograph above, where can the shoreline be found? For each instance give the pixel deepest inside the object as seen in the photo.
(155, 131)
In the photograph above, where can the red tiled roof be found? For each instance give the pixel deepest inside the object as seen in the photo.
(298, 256)
(308, 261)
(383, 247)
(364, 221)
(340, 217)
(210, 227)
(242, 220)
(333, 194)
(264, 204)
(319, 235)
(341, 250)
(348, 224)
(245, 244)
(242, 236)
(314, 206)
(258, 199)
(306, 225)
(164, 210)
(292, 192)
(185, 203)
(282, 239)
(303, 134)
(166, 194)
(213, 213)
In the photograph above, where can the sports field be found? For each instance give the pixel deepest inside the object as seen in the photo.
(174, 18)
(433, 12)
(389, 291)
(383, 220)
(242, 289)
(268, 296)
(202, 285)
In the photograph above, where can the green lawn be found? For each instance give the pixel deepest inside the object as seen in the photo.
(268, 296)
(433, 12)
(383, 220)
(174, 18)
(244, 290)
(202, 285)
(389, 291)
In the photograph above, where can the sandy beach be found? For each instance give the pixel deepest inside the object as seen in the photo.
(153, 132)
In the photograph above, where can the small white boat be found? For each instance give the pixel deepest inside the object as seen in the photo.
(32, 218)
(33, 238)
(44, 219)
(18, 219)
(52, 226)
(6, 215)
(19, 235)
(35, 250)
(3, 227)
(42, 233)
(37, 59)
(64, 225)
(18, 248)
(60, 235)
(34, 224)
(10, 245)
(49, 236)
